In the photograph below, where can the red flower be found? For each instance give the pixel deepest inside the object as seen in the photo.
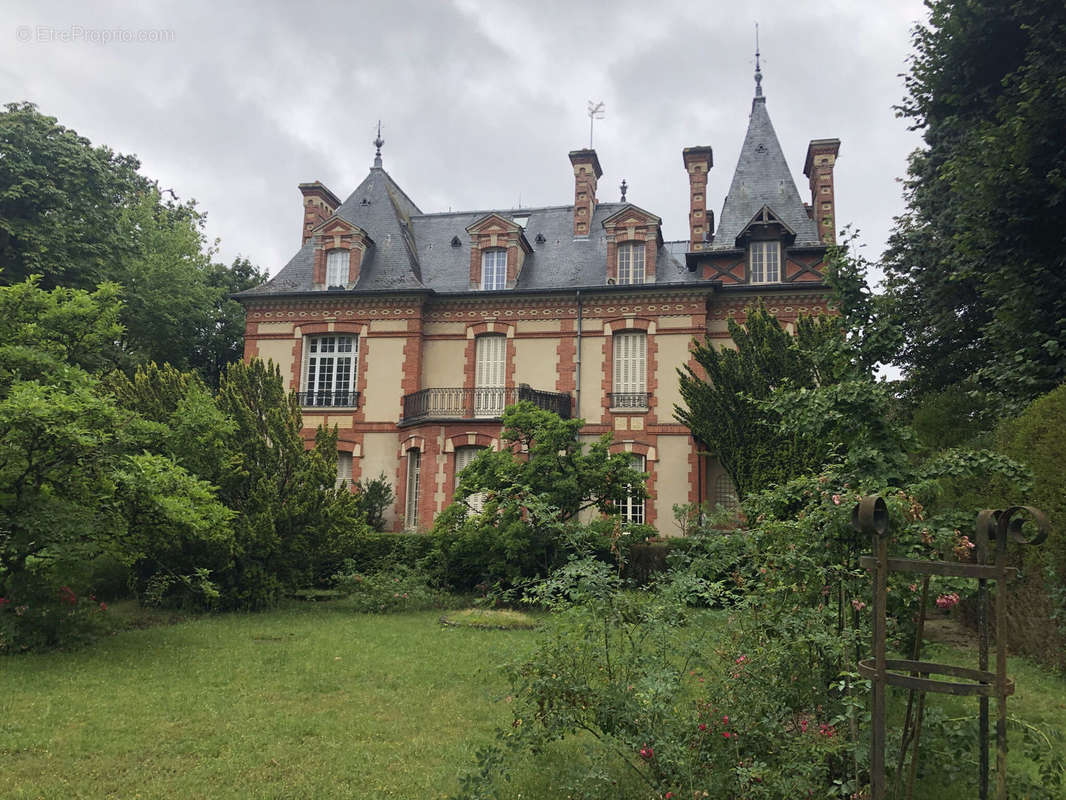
(726, 734)
(647, 753)
(703, 726)
(66, 595)
(103, 606)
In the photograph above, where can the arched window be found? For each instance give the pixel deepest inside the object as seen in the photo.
(414, 486)
(337, 267)
(632, 508)
(330, 371)
(463, 457)
(344, 469)
(631, 262)
(494, 269)
(724, 493)
(490, 372)
(630, 380)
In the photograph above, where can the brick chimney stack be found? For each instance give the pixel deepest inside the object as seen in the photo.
(319, 205)
(586, 172)
(818, 167)
(698, 162)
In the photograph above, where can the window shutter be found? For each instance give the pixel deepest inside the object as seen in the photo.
(491, 362)
(630, 362)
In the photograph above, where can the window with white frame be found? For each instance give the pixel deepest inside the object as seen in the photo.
(463, 458)
(414, 488)
(764, 262)
(490, 363)
(630, 370)
(330, 370)
(337, 267)
(631, 262)
(494, 269)
(344, 469)
(632, 508)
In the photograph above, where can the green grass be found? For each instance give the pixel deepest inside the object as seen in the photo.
(310, 701)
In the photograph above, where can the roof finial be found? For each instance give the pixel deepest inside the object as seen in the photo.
(377, 143)
(624, 187)
(758, 70)
(596, 111)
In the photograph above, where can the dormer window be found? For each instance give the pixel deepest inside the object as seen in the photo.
(764, 262)
(337, 267)
(494, 269)
(631, 262)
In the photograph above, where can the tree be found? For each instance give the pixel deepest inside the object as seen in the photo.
(722, 409)
(976, 266)
(534, 488)
(62, 202)
(79, 216)
(290, 522)
(72, 482)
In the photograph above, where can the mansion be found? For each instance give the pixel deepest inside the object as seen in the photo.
(412, 331)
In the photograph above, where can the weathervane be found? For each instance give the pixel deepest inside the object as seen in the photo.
(377, 143)
(596, 111)
(623, 187)
(758, 70)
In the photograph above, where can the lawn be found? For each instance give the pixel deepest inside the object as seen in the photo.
(311, 700)
(308, 701)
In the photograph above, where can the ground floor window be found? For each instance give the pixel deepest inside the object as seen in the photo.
(414, 463)
(632, 508)
(463, 457)
(344, 469)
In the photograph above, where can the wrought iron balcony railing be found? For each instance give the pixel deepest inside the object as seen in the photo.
(331, 399)
(633, 400)
(483, 403)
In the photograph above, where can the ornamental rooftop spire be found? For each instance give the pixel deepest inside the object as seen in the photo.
(377, 143)
(758, 70)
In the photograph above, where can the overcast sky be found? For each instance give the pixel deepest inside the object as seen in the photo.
(480, 100)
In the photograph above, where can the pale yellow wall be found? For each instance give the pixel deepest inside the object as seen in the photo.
(275, 327)
(536, 362)
(671, 481)
(388, 325)
(384, 377)
(718, 326)
(536, 325)
(675, 322)
(280, 352)
(672, 353)
(442, 363)
(444, 328)
(591, 377)
(379, 455)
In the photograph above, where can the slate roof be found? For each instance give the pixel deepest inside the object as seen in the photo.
(762, 178)
(414, 251)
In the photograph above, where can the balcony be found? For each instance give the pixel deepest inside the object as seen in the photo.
(488, 404)
(628, 401)
(328, 399)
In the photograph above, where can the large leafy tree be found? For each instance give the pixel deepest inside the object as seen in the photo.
(78, 216)
(976, 266)
(722, 398)
(72, 482)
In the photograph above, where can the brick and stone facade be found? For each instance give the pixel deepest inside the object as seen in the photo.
(432, 356)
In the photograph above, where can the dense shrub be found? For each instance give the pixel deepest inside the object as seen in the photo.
(397, 588)
(39, 619)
